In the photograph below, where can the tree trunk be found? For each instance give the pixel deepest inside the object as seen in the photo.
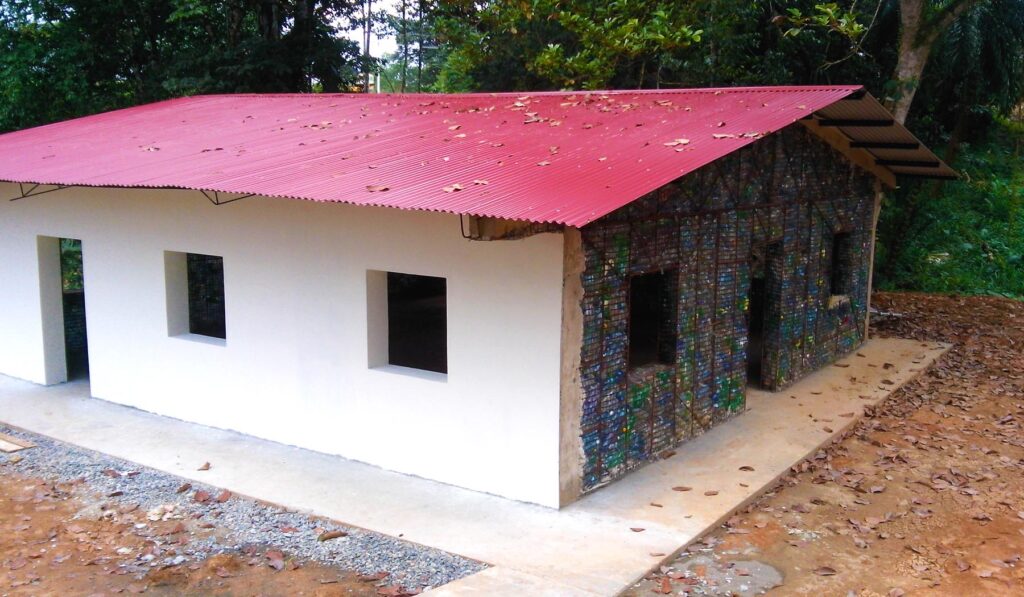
(270, 20)
(918, 33)
(909, 69)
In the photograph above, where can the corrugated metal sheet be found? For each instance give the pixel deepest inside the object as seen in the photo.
(567, 158)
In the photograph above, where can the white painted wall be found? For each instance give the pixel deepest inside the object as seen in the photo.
(294, 368)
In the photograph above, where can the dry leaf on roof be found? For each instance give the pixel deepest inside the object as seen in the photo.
(452, 188)
(377, 188)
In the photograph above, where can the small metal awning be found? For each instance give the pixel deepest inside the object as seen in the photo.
(867, 132)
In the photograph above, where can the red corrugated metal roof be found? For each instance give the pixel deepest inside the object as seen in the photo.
(568, 158)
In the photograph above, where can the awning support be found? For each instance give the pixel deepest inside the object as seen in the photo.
(884, 145)
(216, 200)
(856, 122)
(909, 163)
(32, 192)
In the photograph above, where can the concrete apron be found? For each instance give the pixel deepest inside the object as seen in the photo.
(588, 548)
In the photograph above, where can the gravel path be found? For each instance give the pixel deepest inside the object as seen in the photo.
(243, 522)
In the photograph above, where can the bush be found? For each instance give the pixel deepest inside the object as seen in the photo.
(964, 236)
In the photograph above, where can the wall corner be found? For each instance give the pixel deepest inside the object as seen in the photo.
(570, 444)
(877, 210)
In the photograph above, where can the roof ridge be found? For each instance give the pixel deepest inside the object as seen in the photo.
(481, 94)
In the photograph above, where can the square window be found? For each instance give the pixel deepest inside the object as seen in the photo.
(652, 318)
(195, 295)
(407, 321)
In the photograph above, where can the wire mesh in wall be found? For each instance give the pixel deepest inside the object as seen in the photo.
(754, 228)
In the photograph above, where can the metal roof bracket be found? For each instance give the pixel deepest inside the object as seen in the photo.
(216, 200)
(32, 192)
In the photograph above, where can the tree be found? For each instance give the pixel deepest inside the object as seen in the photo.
(922, 23)
(65, 58)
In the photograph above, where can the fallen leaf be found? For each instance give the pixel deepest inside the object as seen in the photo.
(17, 563)
(223, 496)
(452, 188)
(664, 587)
(825, 571)
(275, 559)
(682, 488)
(377, 188)
(747, 468)
(204, 467)
(183, 488)
(710, 492)
(676, 142)
(543, 163)
(479, 182)
(328, 535)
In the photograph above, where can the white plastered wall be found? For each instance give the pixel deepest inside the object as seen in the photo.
(294, 367)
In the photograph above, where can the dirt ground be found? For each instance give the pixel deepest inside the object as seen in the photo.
(59, 540)
(923, 497)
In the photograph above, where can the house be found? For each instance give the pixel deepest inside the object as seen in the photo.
(522, 294)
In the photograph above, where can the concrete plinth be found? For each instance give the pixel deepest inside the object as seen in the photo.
(587, 548)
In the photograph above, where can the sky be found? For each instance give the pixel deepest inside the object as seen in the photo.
(379, 46)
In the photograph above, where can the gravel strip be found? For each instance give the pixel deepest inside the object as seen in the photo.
(243, 522)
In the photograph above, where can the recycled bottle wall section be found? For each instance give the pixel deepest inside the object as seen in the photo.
(773, 206)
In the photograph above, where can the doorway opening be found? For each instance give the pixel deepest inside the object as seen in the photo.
(76, 344)
(759, 298)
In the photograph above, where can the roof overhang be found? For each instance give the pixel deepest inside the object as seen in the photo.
(862, 129)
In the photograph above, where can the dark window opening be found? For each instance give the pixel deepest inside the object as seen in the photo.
(840, 269)
(418, 322)
(206, 295)
(652, 318)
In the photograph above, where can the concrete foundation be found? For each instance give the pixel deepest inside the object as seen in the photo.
(587, 548)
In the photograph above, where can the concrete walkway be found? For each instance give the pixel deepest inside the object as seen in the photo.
(585, 549)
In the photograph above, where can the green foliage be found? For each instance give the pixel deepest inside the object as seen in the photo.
(608, 33)
(581, 44)
(969, 236)
(71, 264)
(66, 58)
(829, 17)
